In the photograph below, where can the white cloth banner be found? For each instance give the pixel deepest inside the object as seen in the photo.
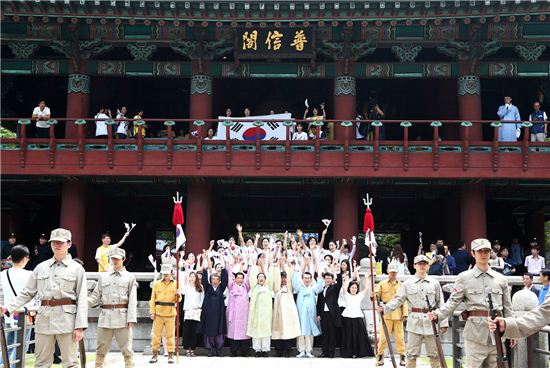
(273, 128)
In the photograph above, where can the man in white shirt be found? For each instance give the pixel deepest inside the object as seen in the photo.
(41, 114)
(534, 263)
(101, 130)
(13, 281)
(122, 129)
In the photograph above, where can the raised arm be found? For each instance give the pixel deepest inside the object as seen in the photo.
(121, 241)
(240, 231)
(323, 236)
(353, 247)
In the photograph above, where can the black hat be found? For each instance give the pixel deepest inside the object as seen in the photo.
(12, 235)
(43, 236)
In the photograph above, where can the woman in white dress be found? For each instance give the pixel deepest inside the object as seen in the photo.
(355, 340)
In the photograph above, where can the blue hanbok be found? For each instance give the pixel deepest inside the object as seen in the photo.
(507, 132)
(307, 304)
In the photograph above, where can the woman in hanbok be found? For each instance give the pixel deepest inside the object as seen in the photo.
(260, 315)
(286, 324)
(237, 311)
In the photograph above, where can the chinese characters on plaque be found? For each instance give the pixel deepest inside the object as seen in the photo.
(289, 42)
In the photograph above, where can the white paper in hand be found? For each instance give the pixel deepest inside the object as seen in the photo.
(306, 103)
(326, 222)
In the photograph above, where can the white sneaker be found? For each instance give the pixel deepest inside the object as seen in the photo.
(309, 355)
(301, 355)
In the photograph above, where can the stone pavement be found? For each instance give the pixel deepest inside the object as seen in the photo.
(142, 361)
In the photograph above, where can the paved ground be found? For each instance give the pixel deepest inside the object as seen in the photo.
(141, 361)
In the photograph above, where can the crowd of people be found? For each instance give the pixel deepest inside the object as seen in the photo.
(258, 293)
(125, 127)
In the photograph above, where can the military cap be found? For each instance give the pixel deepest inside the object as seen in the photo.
(479, 244)
(60, 235)
(392, 267)
(43, 236)
(421, 258)
(118, 253)
(12, 235)
(166, 269)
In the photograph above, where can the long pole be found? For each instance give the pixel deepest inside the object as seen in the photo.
(372, 289)
(177, 306)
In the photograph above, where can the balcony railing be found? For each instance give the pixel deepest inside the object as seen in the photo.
(436, 146)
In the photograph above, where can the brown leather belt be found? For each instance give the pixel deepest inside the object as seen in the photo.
(114, 306)
(57, 302)
(420, 310)
(477, 313)
(166, 304)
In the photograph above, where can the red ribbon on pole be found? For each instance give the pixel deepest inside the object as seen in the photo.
(368, 221)
(177, 216)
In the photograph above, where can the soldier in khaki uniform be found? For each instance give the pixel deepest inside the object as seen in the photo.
(116, 294)
(385, 291)
(414, 291)
(162, 309)
(472, 288)
(60, 283)
(526, 325)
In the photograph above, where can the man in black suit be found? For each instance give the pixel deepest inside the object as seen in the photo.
(328, 313)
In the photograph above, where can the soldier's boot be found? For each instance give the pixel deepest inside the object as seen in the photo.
(155, 357)
(411, 363)
(380, 360)
(402, 360)
(434, 362)
(128, 361)
(99, 360)
(171, 358)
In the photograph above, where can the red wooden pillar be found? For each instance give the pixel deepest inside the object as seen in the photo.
(73, 212)
(473, 219)
(345, 213)
(78, 99)
(344, 99)
(200, 104)
(198, 217)
(469, 102)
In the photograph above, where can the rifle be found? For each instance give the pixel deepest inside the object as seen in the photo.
(502, 359)
(3, 343)
(390, 347)
(440, 354)
(82, 353)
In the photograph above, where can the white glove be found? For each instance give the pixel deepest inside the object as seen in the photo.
(518, 132)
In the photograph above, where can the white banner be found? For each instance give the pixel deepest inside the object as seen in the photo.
(273, 128)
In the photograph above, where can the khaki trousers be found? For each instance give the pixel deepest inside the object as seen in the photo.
(479, 355)
(169, 324)
(45, 347)
(305, 344)
(414, 347)
(395, 326)
(123, 337)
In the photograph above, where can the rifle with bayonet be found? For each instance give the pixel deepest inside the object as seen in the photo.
(502, 360)
(440, 354)
(387, 334)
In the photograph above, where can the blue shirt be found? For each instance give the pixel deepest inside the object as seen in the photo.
(542, 293)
